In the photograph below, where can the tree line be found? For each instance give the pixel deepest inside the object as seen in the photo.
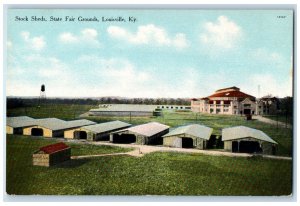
(15, 102)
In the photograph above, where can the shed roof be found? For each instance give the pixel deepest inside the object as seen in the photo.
(240, 132)
(49, 149)
(107, 126)
(51, 123)
(58, 124)
(195, 130)
(148, 130)
(21, 121)
(126, 108)
(79, 123)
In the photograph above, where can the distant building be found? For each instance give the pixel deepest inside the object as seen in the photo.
(133, 109)
(225, 101)
(267, 105)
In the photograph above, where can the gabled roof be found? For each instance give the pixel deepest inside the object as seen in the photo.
(106, 127)
(239, 132)
(147, 130)
(237, 94)
(229, 88)
(195, 130)
(21, 121)
(58, 124)
(79, 123)
(49, 149)
(51, 123)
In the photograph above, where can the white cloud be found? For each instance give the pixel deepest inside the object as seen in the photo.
(149, 34)
(67, 37)
(35, 43)
(87, 35)
(222, 34)
(269, 57)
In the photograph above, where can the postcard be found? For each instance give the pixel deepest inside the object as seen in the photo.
(135, 102)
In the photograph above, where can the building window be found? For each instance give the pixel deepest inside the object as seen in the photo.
(217, 111)
(211, 110)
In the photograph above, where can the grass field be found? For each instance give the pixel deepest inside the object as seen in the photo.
(155, 173)
(281, 135)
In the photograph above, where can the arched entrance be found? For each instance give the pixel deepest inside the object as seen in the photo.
(37, 132)
(80, 135)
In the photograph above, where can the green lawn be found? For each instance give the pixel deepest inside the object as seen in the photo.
(61, 111)
(155, 173)
(280, 118)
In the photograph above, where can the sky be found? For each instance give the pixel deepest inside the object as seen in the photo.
(163, 53)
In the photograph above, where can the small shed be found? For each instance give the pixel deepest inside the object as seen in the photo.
(96, 132)
(247, 140)
(189, 136)
(15, 125)
(150, 133)
(51, 155)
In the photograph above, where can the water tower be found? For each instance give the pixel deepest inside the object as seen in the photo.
(42, 94)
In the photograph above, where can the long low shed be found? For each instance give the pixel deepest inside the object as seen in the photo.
(53, 127)
(247, 140)
(15, 125)
(150, 133)
(189, 136)
(123, 110)
(96, 132)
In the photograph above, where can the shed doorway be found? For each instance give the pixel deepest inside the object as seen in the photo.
(37, 132)
(250, 147)
(124, 138)
(246, 147)
(80, 135)
(187, 143)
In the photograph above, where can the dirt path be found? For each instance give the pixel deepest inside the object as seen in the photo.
(141, 150)
(273, 122)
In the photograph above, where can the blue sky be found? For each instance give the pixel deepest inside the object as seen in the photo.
(165, 53)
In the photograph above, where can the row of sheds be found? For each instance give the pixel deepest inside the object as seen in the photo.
(236, 139)
(53, 127)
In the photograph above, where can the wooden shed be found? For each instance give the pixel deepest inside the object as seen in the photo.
(150, 133)
(51, 155)
(96, 132)
(53, 127)
(15, 125)
(247, 140)
(189, 136)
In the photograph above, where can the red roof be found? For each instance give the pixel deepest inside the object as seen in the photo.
(49, 149)
(232, 94)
